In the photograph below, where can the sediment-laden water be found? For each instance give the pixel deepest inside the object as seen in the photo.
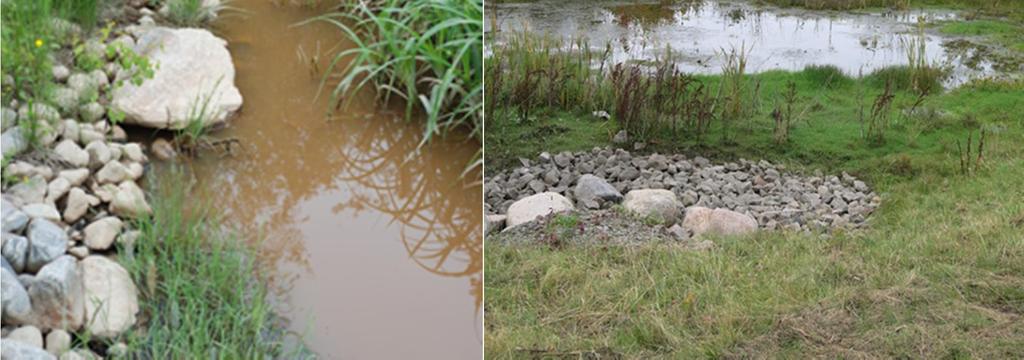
(373, 243)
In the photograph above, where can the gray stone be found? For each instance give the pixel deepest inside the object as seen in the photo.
(133, 152)
(8, 118)
(47, 241)
(14, 220)
(15, 250)
(592, 188)
(16, 350)
(70, 152)
(75, 176)
(42, 211)
(621, 137)
(17, 308)
(66, 99)
(57, 296)
(13, 142)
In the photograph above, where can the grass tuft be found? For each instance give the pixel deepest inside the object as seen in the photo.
(201, 294)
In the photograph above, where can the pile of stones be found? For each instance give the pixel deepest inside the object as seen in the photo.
(695, 193)
(67, 202)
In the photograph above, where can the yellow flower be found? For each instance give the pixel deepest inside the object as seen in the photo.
(39, 43)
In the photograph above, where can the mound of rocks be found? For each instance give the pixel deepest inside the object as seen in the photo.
(66, 206)
(696, 194)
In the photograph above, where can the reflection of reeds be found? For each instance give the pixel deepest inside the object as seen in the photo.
(439, 219)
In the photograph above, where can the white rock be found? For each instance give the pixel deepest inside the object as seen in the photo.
(57, 189)
(42, 210)
(88, 135)
(113, 172)
(701, 220)
(135, 170)
(111, 297)
(70, 130)
(58, 342)
(79, 252)
(77, 205)
(32, 190)
(29, 335)
(100, 234)
(532, 207)
(69, 151)
(193, 65)
(16, 350)
(133, 152)
(129, 201)
(99, 153)
(13, 141)
(657, 203)
(75, 176)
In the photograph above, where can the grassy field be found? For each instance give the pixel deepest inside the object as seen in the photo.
(938, 274)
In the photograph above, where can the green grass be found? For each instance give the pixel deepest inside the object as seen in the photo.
(428, 53)
(201, 295)
(192, 13)
(938, 274)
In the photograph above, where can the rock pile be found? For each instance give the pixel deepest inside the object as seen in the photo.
(67, 202)
(734, 197)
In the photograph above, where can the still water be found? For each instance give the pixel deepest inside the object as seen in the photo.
(698, 32)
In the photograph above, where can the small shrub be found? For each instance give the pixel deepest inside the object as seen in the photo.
(827, 76)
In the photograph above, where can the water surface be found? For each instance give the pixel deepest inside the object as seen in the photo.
(374, 244)
(698, 32)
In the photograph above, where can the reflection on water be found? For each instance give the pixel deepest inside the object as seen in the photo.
(374, 243)
(697, 31)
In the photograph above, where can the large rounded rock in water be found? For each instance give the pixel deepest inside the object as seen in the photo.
(700, 220)
(532, 207)
(657, 203)
(194, 73)
(593, 192)
(111, 297)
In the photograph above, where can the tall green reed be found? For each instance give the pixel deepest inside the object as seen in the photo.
(427, 53)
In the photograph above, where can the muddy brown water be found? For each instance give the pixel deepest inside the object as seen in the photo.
(374, 245)
(698, 32)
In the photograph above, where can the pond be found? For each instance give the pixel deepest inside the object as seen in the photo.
(698, 32)
(373, 242)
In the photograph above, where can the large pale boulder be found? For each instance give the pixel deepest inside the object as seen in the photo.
(57, 296)
(656, 203)
(700, 220)
(111, 297)
(193, 66)
(532, 207)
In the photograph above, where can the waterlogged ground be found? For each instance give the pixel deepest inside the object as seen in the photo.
(373, 245)
(698, 32)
